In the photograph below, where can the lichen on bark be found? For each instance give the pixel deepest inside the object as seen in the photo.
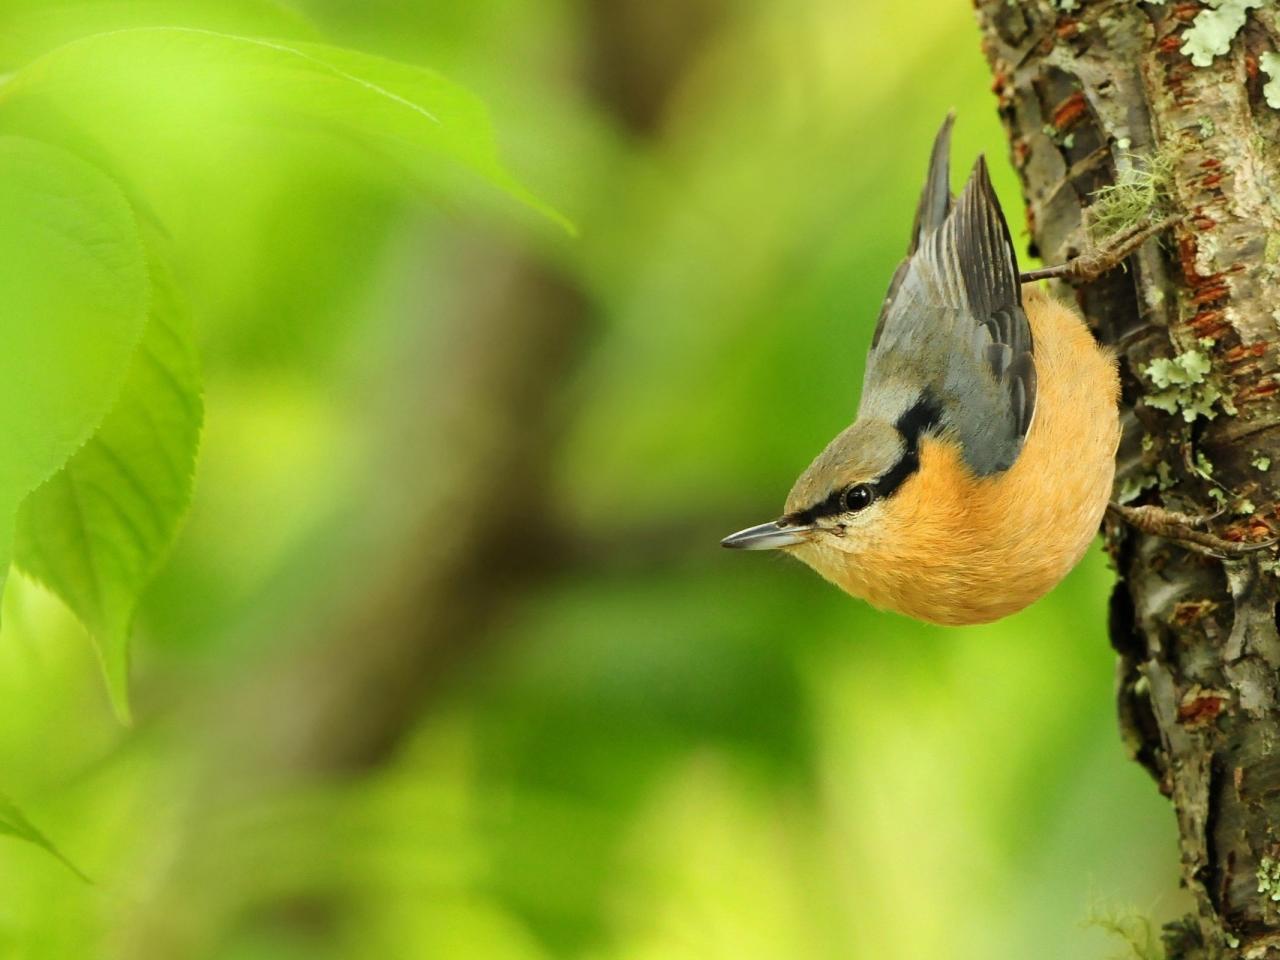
(1083, 92)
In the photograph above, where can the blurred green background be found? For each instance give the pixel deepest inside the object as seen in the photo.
(447, 662)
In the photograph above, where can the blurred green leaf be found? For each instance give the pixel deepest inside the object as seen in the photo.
(29, 28)
(14, 824)
(183, 77)
(73, 303)
(98, 530)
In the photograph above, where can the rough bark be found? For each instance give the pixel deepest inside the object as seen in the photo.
(1080, 91)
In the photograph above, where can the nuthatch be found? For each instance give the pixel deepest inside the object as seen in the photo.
(981, 461)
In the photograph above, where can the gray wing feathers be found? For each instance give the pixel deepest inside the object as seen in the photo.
(935, 199)
(953, 323)
(974, 253)
(931, 213)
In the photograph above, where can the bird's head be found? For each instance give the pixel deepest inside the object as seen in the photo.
(846, 501)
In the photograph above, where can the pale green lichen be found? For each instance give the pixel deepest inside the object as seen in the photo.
(1206, 127)
(1269, 878)
(1138, 936)
(1131, 487)
(1066, 6)
(1271, 252)
(1213, 30)
(1203, 465)
(1139, 481)
(1181, 386)
(1137, 196)
(1262, 462)
(1270, 64)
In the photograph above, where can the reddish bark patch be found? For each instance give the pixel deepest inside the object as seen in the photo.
(1259, 530)
(1210, 292)
(1211, 324)
(1068, 112)
(1241, 353)
(1259, 391)
(1190, 611)
(1187, 248)
(1197, 709)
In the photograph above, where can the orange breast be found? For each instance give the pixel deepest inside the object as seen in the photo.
(959, 549)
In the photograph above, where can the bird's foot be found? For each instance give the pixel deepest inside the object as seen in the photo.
(1089, 266)
(1187, 530)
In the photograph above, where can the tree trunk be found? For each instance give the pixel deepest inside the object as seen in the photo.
(1084, 93)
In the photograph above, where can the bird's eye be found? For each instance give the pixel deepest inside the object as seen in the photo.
(858, 497)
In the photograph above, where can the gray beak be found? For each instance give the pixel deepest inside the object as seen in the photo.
(767, 536)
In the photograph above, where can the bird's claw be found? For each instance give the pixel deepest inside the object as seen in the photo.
(1187, 530)
(1089, 266)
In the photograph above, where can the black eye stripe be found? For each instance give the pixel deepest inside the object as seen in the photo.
(924, 415)
(921, 417)
(832, 505)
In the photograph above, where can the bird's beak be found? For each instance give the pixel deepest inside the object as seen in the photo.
(768, 536)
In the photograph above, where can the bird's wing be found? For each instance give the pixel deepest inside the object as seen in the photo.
(952, 329)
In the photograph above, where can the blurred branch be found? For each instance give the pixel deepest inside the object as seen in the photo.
(401, 619)
(485, 433)
(641, 50)
(489, 535)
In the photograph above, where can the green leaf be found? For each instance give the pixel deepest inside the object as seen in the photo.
(198, 83)
(14, 824)
(29, 28)
(73, 303)
(99, 529)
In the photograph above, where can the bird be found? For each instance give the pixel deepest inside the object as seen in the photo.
(982, 457)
